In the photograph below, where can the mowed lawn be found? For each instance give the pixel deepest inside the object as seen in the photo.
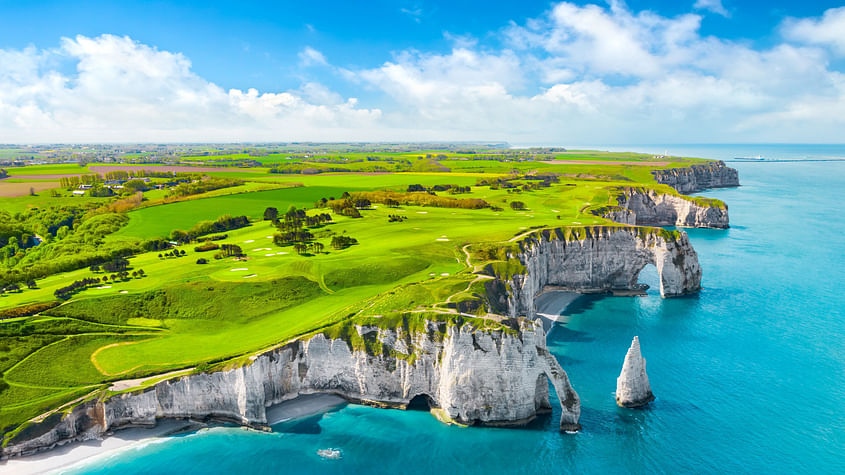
(159, 221)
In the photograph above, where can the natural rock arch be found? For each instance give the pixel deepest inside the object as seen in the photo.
(601, 259)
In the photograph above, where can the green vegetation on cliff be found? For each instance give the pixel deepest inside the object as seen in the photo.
(425, 272)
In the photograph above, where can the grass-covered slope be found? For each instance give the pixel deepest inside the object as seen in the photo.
(419, 256)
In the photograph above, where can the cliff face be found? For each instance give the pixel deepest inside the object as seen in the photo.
(600, 259)
(698, 177)
(632, 386)
(471, 375)
(644, 206)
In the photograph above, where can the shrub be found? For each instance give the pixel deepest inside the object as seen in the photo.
(202, 260)
(206, 246)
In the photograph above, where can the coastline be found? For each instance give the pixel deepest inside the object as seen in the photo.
(552, 303)
(77, 454)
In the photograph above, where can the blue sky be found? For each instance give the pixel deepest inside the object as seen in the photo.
(380, 70)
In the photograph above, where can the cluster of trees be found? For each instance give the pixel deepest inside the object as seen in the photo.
(26, 310)
(303, 248)
(304, 169)
(223, 223)
(342, 242)
(395, 218)
(206, 246)
(74, 181)
(202, 186)
(512, 182)
(292, 237)
(118, 264)
(173, 253)
(517, 205)
(216, 237)
(295, 219)
(229, 250)
(66, 292)
(45, 241)
(292, 230)
(419, 199)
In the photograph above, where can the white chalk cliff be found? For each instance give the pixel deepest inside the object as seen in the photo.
(594, 259)
(471, 375)
(632, 386)
(698, 177)
(646, 206)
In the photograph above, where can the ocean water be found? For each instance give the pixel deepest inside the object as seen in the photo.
(749, 374)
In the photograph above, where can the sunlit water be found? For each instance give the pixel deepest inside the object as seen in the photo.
(749, 375)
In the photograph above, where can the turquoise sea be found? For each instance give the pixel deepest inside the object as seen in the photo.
(749, 374)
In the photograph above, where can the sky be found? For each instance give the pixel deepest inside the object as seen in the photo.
(602, 72)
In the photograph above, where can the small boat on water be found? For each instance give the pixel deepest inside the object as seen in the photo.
(330, 454)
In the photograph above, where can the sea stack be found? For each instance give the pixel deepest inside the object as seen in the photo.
(632, 387)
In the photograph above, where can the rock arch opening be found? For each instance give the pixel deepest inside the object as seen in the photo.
(421, 402)
(541, 394)
(648, 280)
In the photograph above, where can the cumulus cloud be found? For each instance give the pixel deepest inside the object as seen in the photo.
(714, 6)
(126, 91)
(829, 30)
(576, 74)
(607, 74)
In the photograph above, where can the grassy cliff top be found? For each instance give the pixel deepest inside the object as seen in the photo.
(414, 260)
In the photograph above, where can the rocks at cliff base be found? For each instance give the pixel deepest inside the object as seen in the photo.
(632, 386)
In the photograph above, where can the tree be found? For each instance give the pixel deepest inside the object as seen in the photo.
(31, 284)
(270, 214)
(202, 260)
(517, 205)
(342, 242)
(140, 272)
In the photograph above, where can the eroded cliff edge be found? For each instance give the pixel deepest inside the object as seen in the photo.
(471, 371)
(695, 178)
(647, 206)
(592, 259)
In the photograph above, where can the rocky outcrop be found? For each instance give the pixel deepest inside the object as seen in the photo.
(632, 386)
(469, 374)
(649, 207)
(596, 259)
(696, 178)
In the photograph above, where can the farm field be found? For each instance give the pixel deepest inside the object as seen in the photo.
(178, 313)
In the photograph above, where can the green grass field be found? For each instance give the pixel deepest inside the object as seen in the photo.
(182, 314)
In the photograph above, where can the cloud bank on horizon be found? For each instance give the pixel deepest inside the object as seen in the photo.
(576, 74)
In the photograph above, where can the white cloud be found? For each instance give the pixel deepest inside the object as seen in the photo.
(828, 30)
(574, 75)
(611, 75)
(311, 57)
(714, 6)
(126, 91)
